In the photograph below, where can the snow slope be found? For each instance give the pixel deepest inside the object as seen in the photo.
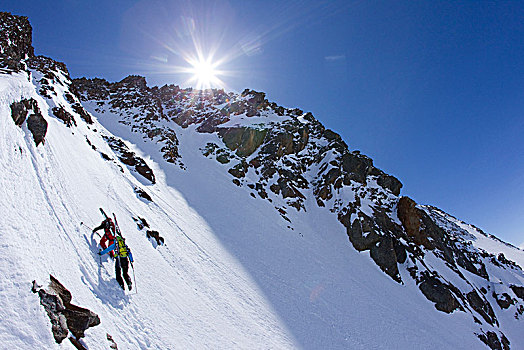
(232, 274)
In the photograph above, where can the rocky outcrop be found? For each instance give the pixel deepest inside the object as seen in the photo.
(65, 116)
(411, 219)
(518, 290)
(482, 307)
(129, 158)
(439, 293)
(64, 316)
(492, 340)
(152, 234)
(20, 109)
(38, 127)
(504, 300)
(242, 140)
(35, 122)
(142, 194)
(145, 107)
(15, 41)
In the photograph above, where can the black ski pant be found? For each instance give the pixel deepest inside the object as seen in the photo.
(122, 265)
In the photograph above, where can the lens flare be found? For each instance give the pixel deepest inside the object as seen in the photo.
(205, 74)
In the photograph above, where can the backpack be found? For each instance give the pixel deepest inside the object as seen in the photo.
(121, 247)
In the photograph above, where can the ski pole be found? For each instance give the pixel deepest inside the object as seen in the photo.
(134, 278)
(89, 228)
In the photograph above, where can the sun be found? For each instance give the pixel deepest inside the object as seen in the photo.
(205, 73)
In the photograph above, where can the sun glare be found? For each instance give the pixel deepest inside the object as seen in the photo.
(205, 74)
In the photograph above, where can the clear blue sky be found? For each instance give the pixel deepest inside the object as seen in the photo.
(432, 91)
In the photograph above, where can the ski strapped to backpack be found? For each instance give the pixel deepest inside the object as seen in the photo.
(104, 213)
(125, 247)
(118, 232)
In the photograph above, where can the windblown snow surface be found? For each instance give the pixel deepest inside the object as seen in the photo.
(232, 275)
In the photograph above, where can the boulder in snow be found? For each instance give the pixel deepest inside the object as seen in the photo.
(65, 317)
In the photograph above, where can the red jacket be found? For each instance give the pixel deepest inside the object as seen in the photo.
(109, 233)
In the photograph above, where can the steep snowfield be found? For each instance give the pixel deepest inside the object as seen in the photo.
(231, 275)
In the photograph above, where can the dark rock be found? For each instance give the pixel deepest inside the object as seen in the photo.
(390, 182)
(505, 342)
(239, 170)
(357, 166)
(410, 217)
(501, 258)
(15, 37)
(400, 251)
(77, 107)
(38, 127)
(54, 308)
(20, 109)
(482, 306)
(504, 300)
(64, 316)
(91, 89)
(143, 194)
(244, 140)
(518, 290)
(439, 293)
(383, 253)
(143, 169)
(136, 81)
(47, 66)
(331, 135)
(492, 340)
(361, 233)
(129, 158)
(223, 158)
(154, 234)
(112, 343)
(64, 115)
(141, 222)
(332, 175)
(79, 319)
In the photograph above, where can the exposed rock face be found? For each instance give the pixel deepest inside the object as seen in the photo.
(242, 140)
(504, 300)
(38, 127)
(491, 339)
(15, 41)
(130, 95)
(35, 122)
(482, 306)
(129, 158)
(65, 317)
(411, 219)
(156, 236)
(439, 293)
(519, 291)
(142, 194)
(20, 109)
(64, 115)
